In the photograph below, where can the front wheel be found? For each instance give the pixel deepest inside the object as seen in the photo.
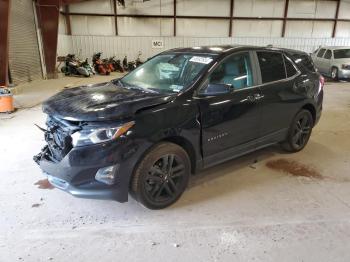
(299, 132)
(162, 176)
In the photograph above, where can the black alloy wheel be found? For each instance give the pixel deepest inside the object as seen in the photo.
(299, 132)
(162, 176)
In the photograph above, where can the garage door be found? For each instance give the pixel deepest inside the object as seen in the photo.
(24, 55)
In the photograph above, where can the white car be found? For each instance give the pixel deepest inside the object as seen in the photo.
(333, 61)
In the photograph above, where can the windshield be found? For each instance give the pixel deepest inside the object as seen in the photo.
(168, 73)
(341, 53)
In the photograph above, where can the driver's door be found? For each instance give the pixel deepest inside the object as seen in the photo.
(231, 121)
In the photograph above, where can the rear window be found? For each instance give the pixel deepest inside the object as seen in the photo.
(271, 66)
(304, 61)
(341, 53)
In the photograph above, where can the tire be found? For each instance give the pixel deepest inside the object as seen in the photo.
(334, 73)
(299, 131)
(154, 184)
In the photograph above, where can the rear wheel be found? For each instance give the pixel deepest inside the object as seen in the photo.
(162, 176)
(299, 132)
(334, 73)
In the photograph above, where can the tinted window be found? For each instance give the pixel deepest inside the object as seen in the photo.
(235, 71)
(341, 53)
(304, 61)
(321, 52)
(290, 69)
(271, 66)
(328, 54)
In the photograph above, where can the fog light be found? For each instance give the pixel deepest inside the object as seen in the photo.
(107, 174)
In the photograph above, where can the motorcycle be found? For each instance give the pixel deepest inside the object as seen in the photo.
(138, 61)
(99, 66)
(128, 66)
(73, 67)
(116, 64)
(125, 63)
(88, 67)
(109, 64)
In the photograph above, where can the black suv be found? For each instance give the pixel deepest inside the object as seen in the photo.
(182, 111)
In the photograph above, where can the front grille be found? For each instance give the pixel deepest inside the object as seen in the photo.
(58, 138)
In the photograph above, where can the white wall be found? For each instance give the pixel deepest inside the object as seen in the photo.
(145, 26)
(203, 7)
(259, 8)
(97, 25)
(85, 46)
(93, 7)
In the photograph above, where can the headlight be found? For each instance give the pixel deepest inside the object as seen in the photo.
(99, 135)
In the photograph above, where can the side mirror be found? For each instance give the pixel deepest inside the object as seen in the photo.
(216, 89)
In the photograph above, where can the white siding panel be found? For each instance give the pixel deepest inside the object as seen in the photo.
(322, 29)
(344, 9)
(259, 8)
(128, 26)
(203, 7)
(312, 9)
(202, 27)
(261, 28)
(325, 9)
(79, 25)
(100, 25)
(62, 25)
(93, 7)
(309, 29)
(64, 45)
(119, 46)
(343, 29)
(154, 7)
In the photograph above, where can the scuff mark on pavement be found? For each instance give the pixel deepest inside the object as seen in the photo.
(44, 184)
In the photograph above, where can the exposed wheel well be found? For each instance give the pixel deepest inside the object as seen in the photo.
(312, 110)
(185, 144)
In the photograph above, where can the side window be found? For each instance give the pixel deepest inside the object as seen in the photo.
(235, 70)
(304, 61)
(290, 69)
(271, 66)
(321, 52)
(328, 54)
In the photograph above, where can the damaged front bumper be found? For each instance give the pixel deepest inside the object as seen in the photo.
(76, 172)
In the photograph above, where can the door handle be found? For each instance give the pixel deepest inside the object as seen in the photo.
(258, 96)
(254, 98)
(250, 98)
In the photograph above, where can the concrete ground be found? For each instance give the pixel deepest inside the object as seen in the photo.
(266, 206)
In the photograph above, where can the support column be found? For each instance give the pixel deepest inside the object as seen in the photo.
(4, 41)
(336, 19)
(48, 16)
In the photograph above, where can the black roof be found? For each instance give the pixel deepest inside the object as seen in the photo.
(220, 49)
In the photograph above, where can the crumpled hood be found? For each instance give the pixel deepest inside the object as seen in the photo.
(98, 102)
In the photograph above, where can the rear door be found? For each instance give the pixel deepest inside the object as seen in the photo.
(277, 75)
(230, 122)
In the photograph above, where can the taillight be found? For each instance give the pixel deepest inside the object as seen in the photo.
(321, 81)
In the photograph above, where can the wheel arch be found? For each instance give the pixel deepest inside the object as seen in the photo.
(311, 108)
(187, 146)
